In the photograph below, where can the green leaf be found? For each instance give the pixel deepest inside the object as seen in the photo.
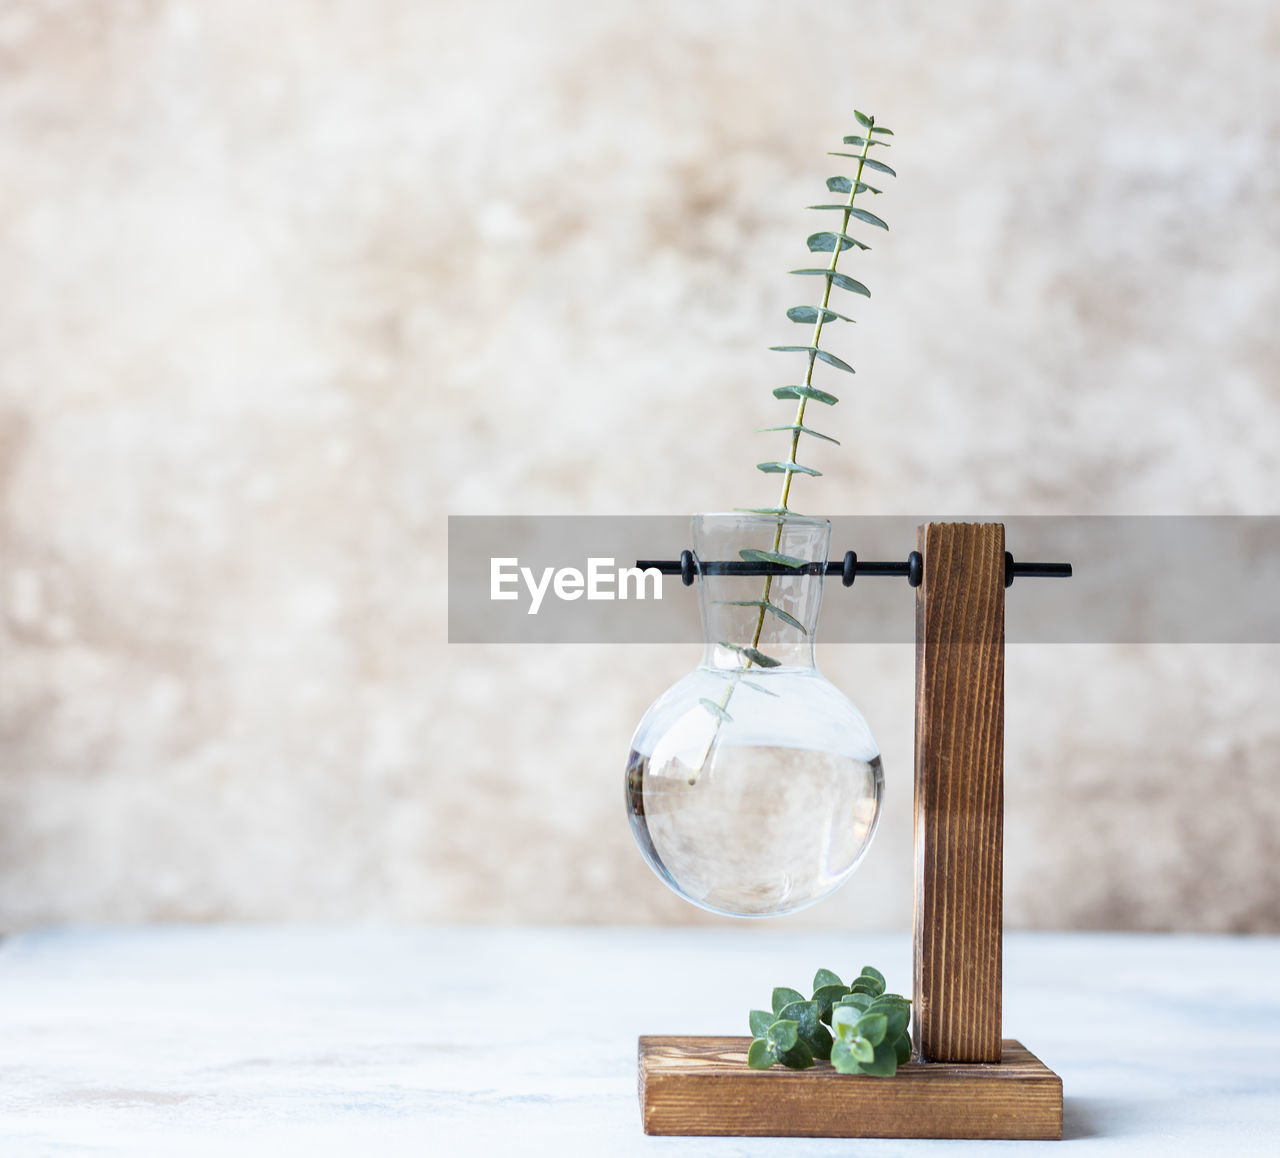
(879, 167)
(787, 468)
(841, 280)
(843, 1020)
(826, 977)
(811, 392)
(811, 314)
(798, 1057)
(888, 1001)
(783, 1035)
(755, 555)
(858, 1001)
(831, 360)
(862, 1050)
(842, 1059)
(803, 430)
(868, 218)
(821, 355)
(716, 710)
(839, 185)
(902, 1048)
(782, 997)
(865, 142)
(874, 974)
(826, 241)
(895, 1021)
(865, 121)
(859, 244)
(826, 996)
(756, 657)
(872, 1026)
(885, 1062)
(790, 620)
(865, 985)
(760, 1021)
(878, 129)
(761, 1055)
(813, 1033)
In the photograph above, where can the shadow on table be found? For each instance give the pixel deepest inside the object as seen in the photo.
(1092, 1118)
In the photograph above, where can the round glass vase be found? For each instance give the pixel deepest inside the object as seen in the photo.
(753, 785)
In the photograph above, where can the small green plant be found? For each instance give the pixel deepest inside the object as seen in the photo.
(858, 1027)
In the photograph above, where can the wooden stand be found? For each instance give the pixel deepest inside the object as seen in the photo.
(965, 1080)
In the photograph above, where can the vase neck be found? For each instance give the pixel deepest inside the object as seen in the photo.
(749, 620)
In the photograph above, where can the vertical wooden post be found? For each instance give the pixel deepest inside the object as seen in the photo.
(959, 792)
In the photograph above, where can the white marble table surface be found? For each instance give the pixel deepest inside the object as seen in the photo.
(434, 1041)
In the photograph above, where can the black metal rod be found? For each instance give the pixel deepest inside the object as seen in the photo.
(848, 568)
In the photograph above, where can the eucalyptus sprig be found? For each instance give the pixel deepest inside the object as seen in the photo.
(859, 1027)
(834, 242)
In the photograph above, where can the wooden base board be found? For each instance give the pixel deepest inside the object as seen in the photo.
(702, 1085)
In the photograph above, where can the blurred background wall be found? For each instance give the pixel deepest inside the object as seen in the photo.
(284, 285)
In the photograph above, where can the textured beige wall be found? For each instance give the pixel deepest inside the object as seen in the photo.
(285, 284)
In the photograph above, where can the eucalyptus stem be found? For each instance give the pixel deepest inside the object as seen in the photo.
(808, 381)
(835, 243)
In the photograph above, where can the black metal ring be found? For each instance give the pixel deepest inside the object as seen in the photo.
(915, 569)
(850, 570)
(687, 568)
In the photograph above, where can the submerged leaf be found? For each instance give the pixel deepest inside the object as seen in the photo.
(756, 657)
(756, 555)
(716, 710)
(770, 607)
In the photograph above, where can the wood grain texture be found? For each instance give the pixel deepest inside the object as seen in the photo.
(703, 1086)
(959, 792)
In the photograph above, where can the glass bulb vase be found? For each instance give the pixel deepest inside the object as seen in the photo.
(753, 785)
